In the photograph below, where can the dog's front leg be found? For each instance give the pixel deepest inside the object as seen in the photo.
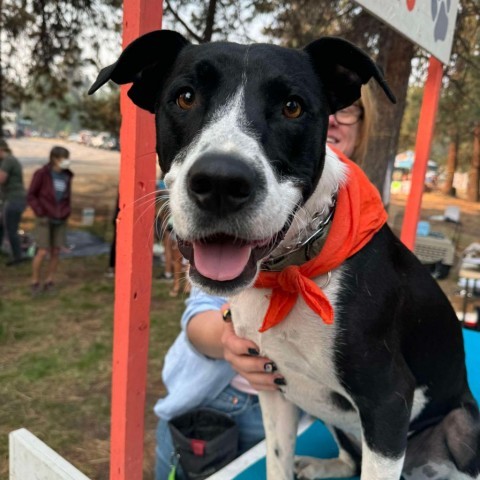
(385, 425)
(280, 420)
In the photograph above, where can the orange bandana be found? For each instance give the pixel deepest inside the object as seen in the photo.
(359, 214)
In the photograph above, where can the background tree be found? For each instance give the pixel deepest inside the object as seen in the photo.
(45, 42)
(101, 112)
(474, 173)
(206, 20)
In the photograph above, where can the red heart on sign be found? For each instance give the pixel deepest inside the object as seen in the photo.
(410, 4)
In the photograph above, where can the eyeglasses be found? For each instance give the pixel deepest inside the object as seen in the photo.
(349, 115)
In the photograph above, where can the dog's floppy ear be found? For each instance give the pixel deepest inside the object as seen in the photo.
(144, 62)
(344, 68)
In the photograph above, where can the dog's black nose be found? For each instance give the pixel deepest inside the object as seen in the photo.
(221, 184)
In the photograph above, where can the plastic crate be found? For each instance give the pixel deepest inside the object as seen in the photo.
(430, 250)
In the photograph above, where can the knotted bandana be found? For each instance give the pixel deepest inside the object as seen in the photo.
(359, 214)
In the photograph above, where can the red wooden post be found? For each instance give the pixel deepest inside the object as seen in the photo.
(133, 270)
(426, 125)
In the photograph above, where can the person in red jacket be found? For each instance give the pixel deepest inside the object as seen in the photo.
(49, 196)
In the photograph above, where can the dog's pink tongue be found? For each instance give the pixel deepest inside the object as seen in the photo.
(220, 261)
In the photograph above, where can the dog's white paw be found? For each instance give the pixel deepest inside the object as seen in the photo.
(311, 468)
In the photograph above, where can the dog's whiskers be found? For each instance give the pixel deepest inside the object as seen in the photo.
(164, 211)
(145, 197)
(141, 217)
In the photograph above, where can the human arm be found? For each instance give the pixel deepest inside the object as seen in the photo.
(4, 170)
(32, 195)
(205, 331)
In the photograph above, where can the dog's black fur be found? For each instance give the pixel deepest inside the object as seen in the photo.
(396, 334)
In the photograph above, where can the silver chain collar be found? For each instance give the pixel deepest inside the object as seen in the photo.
(270, 263)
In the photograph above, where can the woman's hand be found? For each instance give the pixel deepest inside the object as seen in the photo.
(211, 333)
(244, 357)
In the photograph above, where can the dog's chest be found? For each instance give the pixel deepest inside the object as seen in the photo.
(303, 347)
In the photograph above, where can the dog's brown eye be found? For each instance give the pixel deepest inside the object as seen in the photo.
(292, 108)
(186, 99)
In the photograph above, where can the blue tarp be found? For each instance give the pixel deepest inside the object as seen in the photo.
(83, 244)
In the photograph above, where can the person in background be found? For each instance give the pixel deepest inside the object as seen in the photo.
(163, 228)
(173, 258)
(110, 273)
(14, 201)
(208, 365)
(49, 196)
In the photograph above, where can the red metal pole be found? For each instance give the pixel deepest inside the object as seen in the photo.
(133, 270)
(426, 126)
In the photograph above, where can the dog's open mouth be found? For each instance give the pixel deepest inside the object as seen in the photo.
(224, 258)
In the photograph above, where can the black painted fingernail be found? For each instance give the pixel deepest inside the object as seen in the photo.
(253, 351)
(227, 315)
(280, 381)
(270, 367)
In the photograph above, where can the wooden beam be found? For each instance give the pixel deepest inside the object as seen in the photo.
(423, 144)
(133, 270)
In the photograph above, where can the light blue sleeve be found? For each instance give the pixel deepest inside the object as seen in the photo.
(199, 302)
(192, 379)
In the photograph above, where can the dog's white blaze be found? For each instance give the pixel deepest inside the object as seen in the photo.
(228, 132)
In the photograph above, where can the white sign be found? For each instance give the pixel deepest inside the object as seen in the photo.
(428, 23)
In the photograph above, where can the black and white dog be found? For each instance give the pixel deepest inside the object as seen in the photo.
(241, 134)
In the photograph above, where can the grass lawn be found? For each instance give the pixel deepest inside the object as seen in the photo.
(55, 361)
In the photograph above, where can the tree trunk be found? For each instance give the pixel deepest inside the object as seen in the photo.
(452, 161)
(395, 57)
(210, 21)
(474, 174)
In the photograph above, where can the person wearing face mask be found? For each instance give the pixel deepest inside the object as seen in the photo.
(49, 196)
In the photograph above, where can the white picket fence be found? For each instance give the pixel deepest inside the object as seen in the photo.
(31, 459)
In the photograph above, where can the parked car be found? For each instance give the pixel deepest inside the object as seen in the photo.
(86, 137)
(111, 143)
(99, 139)
(75, 137)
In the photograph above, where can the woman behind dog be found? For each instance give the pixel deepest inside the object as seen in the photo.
(208, 365)
(49, 196)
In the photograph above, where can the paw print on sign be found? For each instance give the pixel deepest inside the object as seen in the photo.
(440, 9)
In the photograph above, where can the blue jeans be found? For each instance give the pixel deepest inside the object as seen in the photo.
(243, 408)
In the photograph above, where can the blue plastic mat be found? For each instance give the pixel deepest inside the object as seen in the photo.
(317, 441)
